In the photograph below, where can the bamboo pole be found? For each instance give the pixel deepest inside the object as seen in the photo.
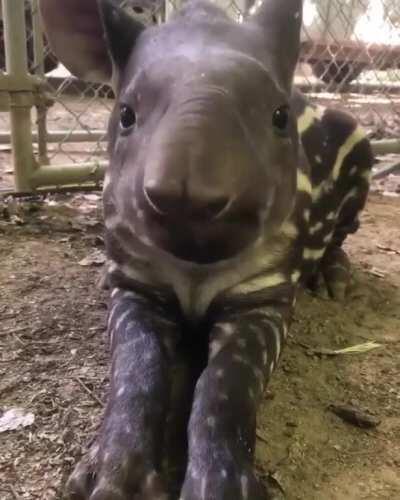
(39, 56)
(64, 136)
(20, 102)
(385, 147)
(61, 175)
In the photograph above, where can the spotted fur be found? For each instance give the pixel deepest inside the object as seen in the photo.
(197, 324)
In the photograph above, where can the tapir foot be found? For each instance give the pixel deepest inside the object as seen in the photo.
(114, 475)
(336, 270)
(333, 275)
(222, 483)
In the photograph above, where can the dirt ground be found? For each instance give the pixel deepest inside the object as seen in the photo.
(53, 360)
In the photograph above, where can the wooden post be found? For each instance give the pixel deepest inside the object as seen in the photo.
(20, 100)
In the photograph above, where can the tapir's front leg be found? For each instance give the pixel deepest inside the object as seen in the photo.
(244, 350)
(125, 461)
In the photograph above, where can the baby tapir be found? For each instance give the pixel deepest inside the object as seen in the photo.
(226, 189)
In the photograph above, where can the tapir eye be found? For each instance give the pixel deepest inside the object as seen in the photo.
(127, 117)
(280, 120)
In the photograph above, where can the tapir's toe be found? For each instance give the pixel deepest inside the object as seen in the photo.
(332, 277)
(80, 484)
(336, 270)
(223, 484)
(113, 476)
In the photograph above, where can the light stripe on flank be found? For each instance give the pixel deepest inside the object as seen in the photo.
(357, 136)
(203, 488)
(328, 184)
(351, 194)
(244, 484)
(308, 117)
(353, 170)
(317, 159)
(129, 295)
(303, 182)
(113, 221)
(121, 319)
(325, 187)
(290, 230)
(331, 216)
(260, 283)
(367, 175)
(314, 229)
(227, 328)
(111, 314)
(106, 182)
(271, 367)
(311, 254)
(295, 276)
(215, 348)
(277, 335)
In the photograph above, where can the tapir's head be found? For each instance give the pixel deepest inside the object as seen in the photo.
(203, 142)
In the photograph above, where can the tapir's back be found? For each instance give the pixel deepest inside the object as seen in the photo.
(340, 159)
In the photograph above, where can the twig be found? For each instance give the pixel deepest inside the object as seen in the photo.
(355, 416)
(386, 170)
(356, 349)
(388, 249)
(15, 336)
(89, 391)
(376, 272)
(10, 331)
(8, 316)
(12, 384)
(88, 187)
(13, 492)
(261, 438)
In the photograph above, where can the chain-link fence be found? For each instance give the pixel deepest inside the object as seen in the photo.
(350, 57)
(351, 51)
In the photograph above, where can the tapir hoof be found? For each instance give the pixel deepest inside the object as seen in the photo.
(336, 270)
(111, 476)
(223, 484)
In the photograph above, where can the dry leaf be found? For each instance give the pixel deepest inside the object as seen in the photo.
(355, 349)
(377, 273)
(354, 416)
(15, 418)
(96, 258)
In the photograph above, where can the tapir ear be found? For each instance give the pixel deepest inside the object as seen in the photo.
(90, 37)
(121, 31)
(280, 21)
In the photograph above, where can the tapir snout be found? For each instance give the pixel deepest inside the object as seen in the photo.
(202, 139)
(204, 190)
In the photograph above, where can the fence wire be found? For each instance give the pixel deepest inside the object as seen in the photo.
(350, 57)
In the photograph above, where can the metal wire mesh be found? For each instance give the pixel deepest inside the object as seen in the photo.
(77, 119)
(5, 147)
(350, 57)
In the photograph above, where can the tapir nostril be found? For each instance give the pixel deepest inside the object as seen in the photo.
(159, 201)
(218, 207)
(169, 200)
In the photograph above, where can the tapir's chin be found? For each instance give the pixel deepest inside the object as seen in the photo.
(203, 241)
